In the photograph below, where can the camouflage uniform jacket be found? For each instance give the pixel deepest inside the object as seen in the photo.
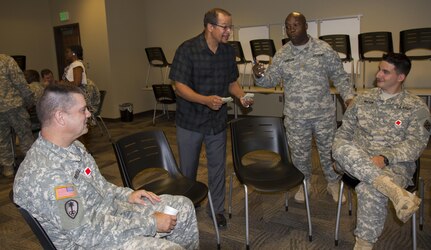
(304, 74)
(397, 128)
(64, 190)
(14, 91)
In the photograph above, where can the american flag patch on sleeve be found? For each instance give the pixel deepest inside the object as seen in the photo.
(64, 192)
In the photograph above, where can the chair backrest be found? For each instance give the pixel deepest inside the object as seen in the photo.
(257, 133)
(35, 226)
(142, 151)
(285, 40)
(239, 53)
(416, 39)
(341, 44)
(263, 47)
(164, 93)
(374, 41)
(156, 57)
(102, 99)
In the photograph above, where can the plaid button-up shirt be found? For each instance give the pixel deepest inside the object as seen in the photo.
(206, 73)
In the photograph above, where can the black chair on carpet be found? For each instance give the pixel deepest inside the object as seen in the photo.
(164, 95)
(253, 135)
(352, 182)
(35, 226)
(147, 154)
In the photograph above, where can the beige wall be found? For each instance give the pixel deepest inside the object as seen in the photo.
(25, 28)
(114, 33)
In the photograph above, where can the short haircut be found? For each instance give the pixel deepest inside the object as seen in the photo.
(211, 16)
(31, 75)
(45, 72)
(401, 62)
(77, 49)
(57, 96)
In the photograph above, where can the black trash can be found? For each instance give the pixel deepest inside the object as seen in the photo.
(126, 112)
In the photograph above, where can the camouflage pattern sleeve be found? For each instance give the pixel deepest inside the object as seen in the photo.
(338, 75)
(273, 74)
(344, 134)
(417, 136)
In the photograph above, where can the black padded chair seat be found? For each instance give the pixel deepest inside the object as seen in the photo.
(195, 191)
(271, 179)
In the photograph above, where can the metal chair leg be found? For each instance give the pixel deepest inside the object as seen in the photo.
(337, 222)
(307, 205)
(230, 195)
(421, 208)
(214, 219)
(246, 218)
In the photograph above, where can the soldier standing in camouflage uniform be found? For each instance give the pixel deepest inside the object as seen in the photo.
(15, 96)
(383, 132)
(304, 65)
(60, 184)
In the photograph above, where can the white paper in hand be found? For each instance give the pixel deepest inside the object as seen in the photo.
(226, 99)
(170, 210)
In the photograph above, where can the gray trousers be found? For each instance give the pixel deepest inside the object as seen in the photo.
(189, 147)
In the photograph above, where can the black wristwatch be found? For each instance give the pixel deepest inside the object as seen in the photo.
(385, 160)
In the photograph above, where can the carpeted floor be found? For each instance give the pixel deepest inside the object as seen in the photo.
(271, 227)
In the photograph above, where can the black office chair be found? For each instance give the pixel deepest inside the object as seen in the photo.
(341, 44)
(262, 47)
(165, 95)
(254, 134)
(35, 226)
(352, 182)
(156, 58)
(240, 59)
(285, 40)
(98, 118)
(372, 42)
(416, 39)
(149, 155)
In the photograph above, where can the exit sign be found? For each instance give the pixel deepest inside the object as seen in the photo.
(64, 16)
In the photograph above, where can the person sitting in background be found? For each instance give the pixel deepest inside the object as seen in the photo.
(47, 77)
(60, 185)
(33, 79)
(382, 134)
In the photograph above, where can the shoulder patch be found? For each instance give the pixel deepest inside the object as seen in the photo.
(64, 192)
(72, 208)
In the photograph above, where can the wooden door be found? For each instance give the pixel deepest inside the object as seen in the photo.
(65, 36)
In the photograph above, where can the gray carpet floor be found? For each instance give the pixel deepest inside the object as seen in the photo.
(271, 227)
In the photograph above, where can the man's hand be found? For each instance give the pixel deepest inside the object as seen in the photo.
(258, 70)
(165, 222)
(136, 197)
(246, 102)
(214, 102)
(379, 161)
(348, 102)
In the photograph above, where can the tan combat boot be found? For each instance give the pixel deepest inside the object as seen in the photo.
(405, 203)
(362, 244)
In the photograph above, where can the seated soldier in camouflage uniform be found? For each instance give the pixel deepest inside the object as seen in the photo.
(383, 132)
(60, 184)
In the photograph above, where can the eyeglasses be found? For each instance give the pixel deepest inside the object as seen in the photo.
(225, 28)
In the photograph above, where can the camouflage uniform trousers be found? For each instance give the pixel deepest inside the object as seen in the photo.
(299, 135)
(184, 236)
(372, 205)
(19, 120)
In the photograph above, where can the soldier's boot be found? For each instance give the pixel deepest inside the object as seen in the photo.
(405, 203)
(362, 245)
